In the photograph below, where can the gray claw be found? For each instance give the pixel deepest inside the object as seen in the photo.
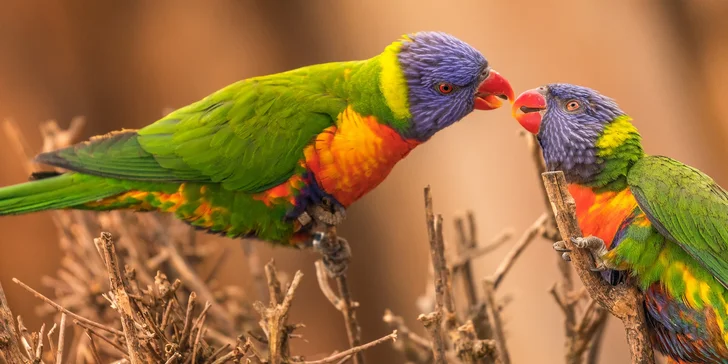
(560, 247)
(565, 256)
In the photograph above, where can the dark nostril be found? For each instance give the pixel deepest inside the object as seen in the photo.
(502, 97)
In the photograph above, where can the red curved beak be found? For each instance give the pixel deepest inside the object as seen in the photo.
(492, 91)
(528, 109)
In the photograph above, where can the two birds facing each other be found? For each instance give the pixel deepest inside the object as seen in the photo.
(279, 156)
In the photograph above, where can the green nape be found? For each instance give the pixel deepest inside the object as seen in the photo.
(619, 147)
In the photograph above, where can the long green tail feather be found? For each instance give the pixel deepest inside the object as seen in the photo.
(62, 191)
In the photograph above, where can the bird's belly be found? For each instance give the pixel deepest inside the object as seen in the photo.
(212, 208)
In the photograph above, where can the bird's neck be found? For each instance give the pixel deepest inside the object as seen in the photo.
(615, 151)
(619, 147)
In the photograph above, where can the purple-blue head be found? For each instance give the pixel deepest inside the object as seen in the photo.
(433, 79)
(580, 131)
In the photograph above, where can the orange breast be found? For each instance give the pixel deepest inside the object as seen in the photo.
(601, 214)
(354, 156)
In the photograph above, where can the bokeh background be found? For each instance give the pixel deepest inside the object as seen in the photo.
(120, 63)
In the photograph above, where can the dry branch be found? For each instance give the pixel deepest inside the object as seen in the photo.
(9, 339)
(121, 300)
(478, 337)
(343, 302)
(623, 301)
(577, 341)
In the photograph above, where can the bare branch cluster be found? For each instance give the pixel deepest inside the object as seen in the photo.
(474, 333)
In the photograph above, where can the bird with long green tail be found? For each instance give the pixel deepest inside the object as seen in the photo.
(275, 157)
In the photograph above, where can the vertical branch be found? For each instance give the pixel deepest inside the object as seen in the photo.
(61, 337)
(275, 316)
(346, 305)
(494, 316)
(443, 288)
(623, 301)
(122, 300)
(466, 241)
(9, 343)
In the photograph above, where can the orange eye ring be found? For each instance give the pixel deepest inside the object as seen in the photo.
(445, 88)
(572, 105)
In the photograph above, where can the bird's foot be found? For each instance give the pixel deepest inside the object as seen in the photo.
(336, 254)
(596, 248)
(327, 212)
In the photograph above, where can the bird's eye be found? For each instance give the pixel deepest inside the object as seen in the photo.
(445, 88)
(572, 105)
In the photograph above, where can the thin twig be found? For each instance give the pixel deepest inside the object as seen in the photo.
(102, 337)
(496, 321)
(69, 313)
(345, 305)
(623, 301)
(443, 288)
(94, 352)
(528, 236)
(346, 353)
(61, 338)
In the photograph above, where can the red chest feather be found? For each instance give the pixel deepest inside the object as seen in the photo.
(601, 214)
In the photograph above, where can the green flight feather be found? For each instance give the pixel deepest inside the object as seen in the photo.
(57, 192)
(686, 206)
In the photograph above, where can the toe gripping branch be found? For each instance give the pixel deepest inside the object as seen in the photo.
(593, 244)
(334, 249)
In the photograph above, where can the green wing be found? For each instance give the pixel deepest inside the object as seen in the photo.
(248, 136)
(687, 207)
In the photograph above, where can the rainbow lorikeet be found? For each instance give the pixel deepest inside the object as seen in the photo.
(652, 220)
(271, 157)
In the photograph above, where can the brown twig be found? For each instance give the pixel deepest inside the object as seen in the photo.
(102, 337)
(623, 301)
(344, 302)
(121, 298)
(528, 236)
(494, 317)
(353, 351)
(443, 288)
(9, 343)
(92, 345)
(69, 313)
(433, 324)
(415, 348)
(61, 339)
(275, 317)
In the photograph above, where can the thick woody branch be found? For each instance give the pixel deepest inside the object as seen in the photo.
(9, 339)
(623, 301)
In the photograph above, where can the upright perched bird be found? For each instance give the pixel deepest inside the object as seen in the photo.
(272, 156)
(665, 224)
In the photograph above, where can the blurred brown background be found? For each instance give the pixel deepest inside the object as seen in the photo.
(119, 63)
